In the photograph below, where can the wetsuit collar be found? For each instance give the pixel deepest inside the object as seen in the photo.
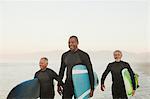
(43, 69)
(74, 51)
(118, 61)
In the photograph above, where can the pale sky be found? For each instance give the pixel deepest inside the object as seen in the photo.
(42, 25)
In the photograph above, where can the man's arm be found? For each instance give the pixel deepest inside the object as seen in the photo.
(62, 68)
(61, 75)
(90, 70)
(57, 78)
(104, 75)
(35, 75)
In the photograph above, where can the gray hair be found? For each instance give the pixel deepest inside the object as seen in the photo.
(117, 51)
(46, 59)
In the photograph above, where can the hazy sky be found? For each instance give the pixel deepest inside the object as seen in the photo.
(42, 25)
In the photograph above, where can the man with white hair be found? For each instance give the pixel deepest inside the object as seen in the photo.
(118, 86)
(46, 76)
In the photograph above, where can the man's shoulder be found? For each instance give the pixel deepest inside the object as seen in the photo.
(37, 72)
(111, 63)
(78, 51)
(121, 62)
(83, 52)
(50, 70)
(65, 53)
(124, 62)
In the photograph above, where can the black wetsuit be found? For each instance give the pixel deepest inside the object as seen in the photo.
(68, 60)
(46, 78)
(118, 87)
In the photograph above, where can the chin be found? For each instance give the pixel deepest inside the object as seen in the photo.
(118, 60)
(71, 49)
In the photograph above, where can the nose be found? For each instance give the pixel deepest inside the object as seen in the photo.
(70, 44)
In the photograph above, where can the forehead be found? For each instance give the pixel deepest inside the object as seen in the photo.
(42, 60)
(117, 52)
(72, 39)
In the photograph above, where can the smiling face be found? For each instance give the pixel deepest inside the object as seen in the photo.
(117, 55)
(43, 64)
(73, 43)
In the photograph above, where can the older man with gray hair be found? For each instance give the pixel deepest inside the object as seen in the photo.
(118, 86)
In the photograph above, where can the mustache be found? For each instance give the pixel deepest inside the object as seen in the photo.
(117, 58)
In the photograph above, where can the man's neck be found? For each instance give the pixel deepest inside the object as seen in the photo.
(74, 50)
(117, 60)
(43, 69)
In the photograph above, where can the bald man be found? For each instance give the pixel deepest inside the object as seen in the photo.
(69, 59)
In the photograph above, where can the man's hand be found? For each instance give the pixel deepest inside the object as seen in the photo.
(59, 90)
(133, 92)
(102, 87)
(91, 93)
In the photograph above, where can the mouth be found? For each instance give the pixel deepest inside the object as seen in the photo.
(71, 47)
(116, 58)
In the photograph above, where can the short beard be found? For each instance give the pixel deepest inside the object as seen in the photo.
(74, 50)
(117, 60)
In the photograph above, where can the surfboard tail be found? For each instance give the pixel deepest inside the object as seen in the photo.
(26, 90)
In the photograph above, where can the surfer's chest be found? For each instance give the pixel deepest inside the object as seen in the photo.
(116, 68)
(72, 59)
(43, 77)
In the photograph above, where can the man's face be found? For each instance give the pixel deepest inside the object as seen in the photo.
(72, 43)
(43, 64)
(117, 56)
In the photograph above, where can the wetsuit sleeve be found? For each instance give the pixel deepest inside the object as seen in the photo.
(104, 75)
(90, 70)
(62, 68)
(57, 78)
(35, 76)
(132, 76)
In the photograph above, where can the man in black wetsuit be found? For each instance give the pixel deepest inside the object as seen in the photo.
(69, 59)
(46, 77)
(118, 87)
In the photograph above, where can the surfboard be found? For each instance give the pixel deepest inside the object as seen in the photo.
(128, 81)
(26, 90)
(81, 81)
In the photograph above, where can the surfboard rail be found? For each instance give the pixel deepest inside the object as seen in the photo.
(81, 81)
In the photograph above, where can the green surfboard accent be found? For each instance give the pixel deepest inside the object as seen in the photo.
(128, 81)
